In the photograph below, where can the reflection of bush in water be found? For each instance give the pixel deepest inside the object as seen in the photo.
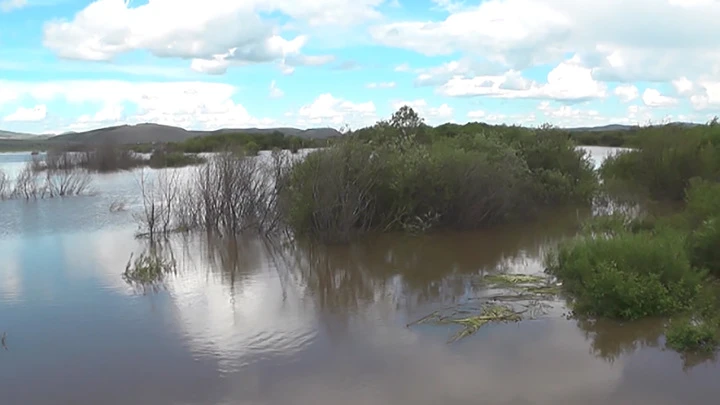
(412, 270)
(609, 340)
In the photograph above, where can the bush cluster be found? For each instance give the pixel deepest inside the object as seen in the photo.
(632, 267)
(396, 176)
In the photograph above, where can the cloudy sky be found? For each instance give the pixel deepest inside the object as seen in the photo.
(76, 64)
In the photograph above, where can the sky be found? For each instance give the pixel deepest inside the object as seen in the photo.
(73, 65)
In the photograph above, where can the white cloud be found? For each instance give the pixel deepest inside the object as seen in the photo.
(568, 81)
(214, 33)
(329, 110)
(653, 98)
(274, 91)
(683, 86)
(706, 96)
(109, 115)
(465, 67)
(476, 114)
(432, 115)
(22, 114)
(10, 5)
(381, 85)
(618, 40)
(192, 105)
(626, 92)
(565, 115)
(403, 67)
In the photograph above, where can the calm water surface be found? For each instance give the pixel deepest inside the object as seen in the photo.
(247, 322)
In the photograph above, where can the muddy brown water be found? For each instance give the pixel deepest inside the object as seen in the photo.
(251, 322)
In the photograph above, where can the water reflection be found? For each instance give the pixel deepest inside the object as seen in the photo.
(254, 321)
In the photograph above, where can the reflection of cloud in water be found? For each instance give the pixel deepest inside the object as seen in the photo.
(101, 255)
(270, 309)
(535, 363)
(240, 316)
(10, 277)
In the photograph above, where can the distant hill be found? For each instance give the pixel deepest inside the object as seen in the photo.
(19, 135)
(147, 133)
(618, 127)
(612, 127)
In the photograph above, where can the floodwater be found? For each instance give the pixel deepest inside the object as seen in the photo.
(251, 322)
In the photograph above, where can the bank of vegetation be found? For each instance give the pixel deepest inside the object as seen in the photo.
(250, 143)
(631, 267)
(393, 176)
(396, 176)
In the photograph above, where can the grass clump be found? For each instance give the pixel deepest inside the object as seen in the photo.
(629, 275)
(148, 270)
(633, 267)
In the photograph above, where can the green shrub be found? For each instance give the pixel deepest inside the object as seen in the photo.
(628, 275)
(702, 200)
(161, 159)
(704, 246)
(689, 334)
(386, 178)
(667, 159)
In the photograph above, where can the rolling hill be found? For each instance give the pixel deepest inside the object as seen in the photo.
(155, 133)
(148, 133)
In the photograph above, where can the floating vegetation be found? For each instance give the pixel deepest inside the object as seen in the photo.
(148, 270)
(513, 279)
(472, 318)
(525, 297)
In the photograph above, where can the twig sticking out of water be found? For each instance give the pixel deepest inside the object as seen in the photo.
(3, 341)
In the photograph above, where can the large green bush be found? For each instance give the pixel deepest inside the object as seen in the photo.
(628, 275)
(394, 176)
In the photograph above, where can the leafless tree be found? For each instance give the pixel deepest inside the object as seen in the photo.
(66, 181)
(158, 196)
(26, 184)
(4, 185)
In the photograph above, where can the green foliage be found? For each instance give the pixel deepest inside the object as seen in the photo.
(687, 334)
(619, 138)
(667, 159)
(628, 275)
(148, 269)
(162, 159)
(250, 142)
(396, 176)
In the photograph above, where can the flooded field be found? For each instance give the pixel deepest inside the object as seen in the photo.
(254, 322)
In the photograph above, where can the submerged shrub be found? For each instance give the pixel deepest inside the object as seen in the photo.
(396, 176)
(688, 334)
(628, 275)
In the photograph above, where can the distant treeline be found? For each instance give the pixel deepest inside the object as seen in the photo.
(250, 143)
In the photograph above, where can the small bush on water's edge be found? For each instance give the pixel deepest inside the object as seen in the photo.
(628, 275)
(630, 268)
(687, 334)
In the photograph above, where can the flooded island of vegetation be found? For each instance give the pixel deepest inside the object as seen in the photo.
(398, 263)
